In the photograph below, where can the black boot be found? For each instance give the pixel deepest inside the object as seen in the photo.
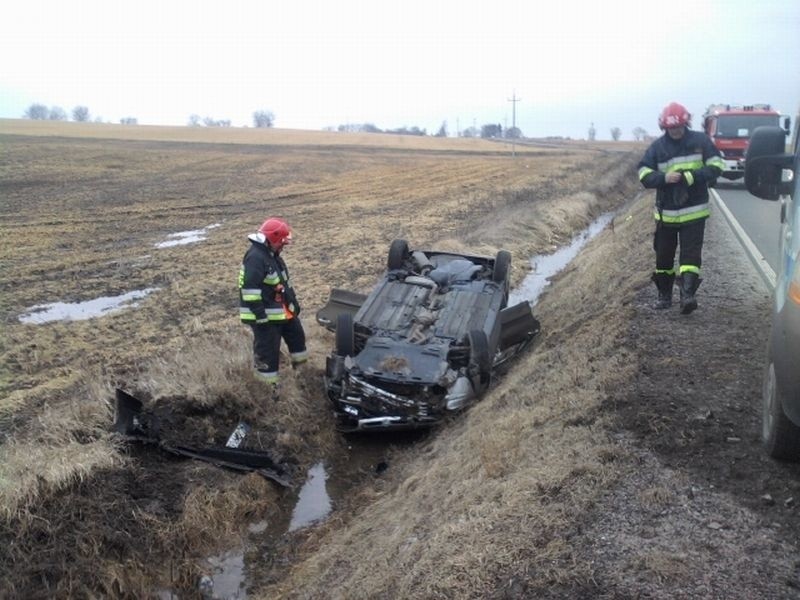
(664, 282)
(689, 284)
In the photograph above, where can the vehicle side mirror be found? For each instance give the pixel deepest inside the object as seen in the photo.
(764, 163)
(787, 125)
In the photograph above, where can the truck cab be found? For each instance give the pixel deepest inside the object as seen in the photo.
(730, 128)
(773, 174)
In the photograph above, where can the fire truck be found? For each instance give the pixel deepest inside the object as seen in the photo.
(730, 127)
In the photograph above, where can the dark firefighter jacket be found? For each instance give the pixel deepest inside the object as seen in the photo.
(265, 295)
(699, 162)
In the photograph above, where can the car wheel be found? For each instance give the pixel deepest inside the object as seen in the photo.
(781, 436)
(502, 270)
(479, 360)
(398, 253)
(345, 337)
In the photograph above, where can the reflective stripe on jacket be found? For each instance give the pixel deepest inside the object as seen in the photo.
(698, 161)
(263, 284)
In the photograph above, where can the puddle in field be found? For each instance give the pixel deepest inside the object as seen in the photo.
(186, 237)
(313, 503)
(227, 578)
(325, 484)
(545, 266)
(79, 311)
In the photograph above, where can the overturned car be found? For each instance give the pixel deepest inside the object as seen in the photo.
(425, 342)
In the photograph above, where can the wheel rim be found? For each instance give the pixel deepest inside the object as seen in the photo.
(769, 400)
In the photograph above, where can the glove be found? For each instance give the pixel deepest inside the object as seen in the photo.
(291, 302)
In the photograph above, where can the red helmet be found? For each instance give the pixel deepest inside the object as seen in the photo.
(277, 232)
(674, 115)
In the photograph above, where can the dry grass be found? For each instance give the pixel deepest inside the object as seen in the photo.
(82, 217)
(495, 492)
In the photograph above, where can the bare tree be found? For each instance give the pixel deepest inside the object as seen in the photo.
(57, 114)
(263, 118)
(129, 121)
(36, 111)
(209, 122)
(592, 132)
(442, 130)
(80, 114)
(194, 120)
(616, 133)
(639, 133)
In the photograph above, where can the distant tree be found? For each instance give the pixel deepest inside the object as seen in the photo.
(37, 112)
(616, 133)
(209, 122)
(442, 130)
(80, 114)
(492, 130)
(194, 120)
(639, 133)
(470, 132)
(359, 128)
(57, 114)
(263, 118)
(129, 121)
(513, 133)
(408, 131)
(592, 133)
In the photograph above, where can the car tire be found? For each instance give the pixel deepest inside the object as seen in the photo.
(398, 253)
(781, 437)
(345, 336)
(502, 271)
(479, 360)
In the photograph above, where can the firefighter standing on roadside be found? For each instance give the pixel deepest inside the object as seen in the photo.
(680, 165)
(268, 303)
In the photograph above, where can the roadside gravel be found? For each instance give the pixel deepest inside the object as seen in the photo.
(703, 513)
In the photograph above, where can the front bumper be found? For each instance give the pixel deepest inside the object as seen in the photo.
(361, 405)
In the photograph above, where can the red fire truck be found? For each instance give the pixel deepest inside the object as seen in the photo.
(730, 127)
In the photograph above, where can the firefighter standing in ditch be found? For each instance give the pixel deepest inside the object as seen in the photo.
(680, 165)
(268, 303)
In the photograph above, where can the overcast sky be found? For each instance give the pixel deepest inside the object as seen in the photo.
(318, 63)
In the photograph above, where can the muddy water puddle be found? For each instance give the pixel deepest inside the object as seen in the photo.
(104, 305)
(78, 311)
(181, 238)
(327, 483)
(546, 266)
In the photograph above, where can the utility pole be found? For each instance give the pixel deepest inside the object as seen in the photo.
(514, 101)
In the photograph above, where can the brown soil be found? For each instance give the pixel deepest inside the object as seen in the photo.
(619, 458)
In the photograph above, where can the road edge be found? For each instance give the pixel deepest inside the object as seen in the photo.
(758, 260)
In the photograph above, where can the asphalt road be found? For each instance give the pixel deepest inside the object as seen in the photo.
(756, 223)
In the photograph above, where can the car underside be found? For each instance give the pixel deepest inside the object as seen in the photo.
(425, 342)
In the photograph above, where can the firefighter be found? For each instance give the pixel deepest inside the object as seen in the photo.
(268, 303)
(680, 165)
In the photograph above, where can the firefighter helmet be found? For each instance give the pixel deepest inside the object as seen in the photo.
(674, 115)
(277, 232)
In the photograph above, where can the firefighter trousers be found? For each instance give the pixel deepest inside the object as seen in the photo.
(267, 344)
(665, 242)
